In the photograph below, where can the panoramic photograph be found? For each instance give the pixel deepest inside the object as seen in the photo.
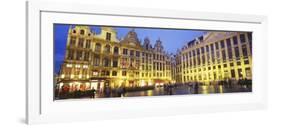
(92, 61)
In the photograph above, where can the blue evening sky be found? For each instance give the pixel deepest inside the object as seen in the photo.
(172, 39)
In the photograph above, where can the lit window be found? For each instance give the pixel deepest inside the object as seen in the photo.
(68, 65)
(95, 73)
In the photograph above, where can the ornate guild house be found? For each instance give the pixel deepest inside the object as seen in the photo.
(99, 61)
(215, 56)
(96, 61)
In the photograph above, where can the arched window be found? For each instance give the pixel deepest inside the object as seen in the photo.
(116, 50)
(107, 49)
(98, 47)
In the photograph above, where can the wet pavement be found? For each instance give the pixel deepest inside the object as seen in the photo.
(179, 90)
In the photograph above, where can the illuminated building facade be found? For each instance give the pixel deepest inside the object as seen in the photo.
(215, 56)
(96, 61)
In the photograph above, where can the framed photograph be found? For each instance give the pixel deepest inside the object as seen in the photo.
(91, 62)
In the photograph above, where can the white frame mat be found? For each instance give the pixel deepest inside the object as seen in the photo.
(41, 108)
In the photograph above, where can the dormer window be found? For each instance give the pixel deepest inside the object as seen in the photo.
(108, 36)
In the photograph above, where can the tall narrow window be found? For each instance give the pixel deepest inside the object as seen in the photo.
(249, 34)
(79, 55)
(244, 50)
(96, 60)
(106, 62)
(115, 62)
(72, 41)
(116, 50)
(202, 50)
(232, 73)
(108, 36)
(242, 38)
(223, 55)
(228, 43)
(86, 56)
(131, 52)
(137, 53)
(70, 54)
(198, 51)
(222, 44)
(229, 50)
(88, 43)
(235, 42)
(80, 42)
(236, 50)
(125, 51)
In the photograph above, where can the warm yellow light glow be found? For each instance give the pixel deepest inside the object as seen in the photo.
(149, 93)
(77, 66)
(61, 84)
(68, 65)
(220, 89)
(150, 82)
(80, 76)
(85, 66)
(62, 76)
(204, 89)
(77, 83)
(95, 73)
(142, 83)
(71, 76)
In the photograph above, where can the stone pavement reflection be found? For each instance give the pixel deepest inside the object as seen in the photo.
(181, 90)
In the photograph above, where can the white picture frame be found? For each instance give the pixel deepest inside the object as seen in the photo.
(41, 108)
